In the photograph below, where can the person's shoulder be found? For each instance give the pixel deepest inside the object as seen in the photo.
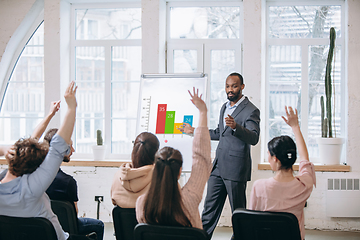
(260, 183)
(249, 104)
(61, 174)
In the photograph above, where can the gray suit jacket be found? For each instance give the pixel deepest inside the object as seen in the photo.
(233, 152)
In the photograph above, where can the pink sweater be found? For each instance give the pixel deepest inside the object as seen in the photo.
(271, 195)
(193, 190)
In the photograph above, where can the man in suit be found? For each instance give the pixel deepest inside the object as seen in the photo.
(237, 130)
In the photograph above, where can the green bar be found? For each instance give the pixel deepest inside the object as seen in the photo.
(169, 122)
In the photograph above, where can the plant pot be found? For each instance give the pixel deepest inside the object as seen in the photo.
(330, 150)
(99, 152)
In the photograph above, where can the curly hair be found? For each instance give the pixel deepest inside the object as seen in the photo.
(29, 154)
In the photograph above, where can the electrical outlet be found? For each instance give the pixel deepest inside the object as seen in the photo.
(99, 198)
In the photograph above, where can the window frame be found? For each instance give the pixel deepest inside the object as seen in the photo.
(304, 43)
(12, 65)
(204, 48)
(107, 44)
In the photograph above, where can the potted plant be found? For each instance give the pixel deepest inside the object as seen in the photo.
(99, 149)
(330, 146)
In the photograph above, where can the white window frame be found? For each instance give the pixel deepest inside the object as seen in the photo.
(205, 46)
(107, 44)
(304, 43)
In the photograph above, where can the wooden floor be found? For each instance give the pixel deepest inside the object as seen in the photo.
(225, 233)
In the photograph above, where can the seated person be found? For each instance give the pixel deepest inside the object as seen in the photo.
(32, 166)
(64, 188)
(166, 203)
(285, 192)
(133, 179)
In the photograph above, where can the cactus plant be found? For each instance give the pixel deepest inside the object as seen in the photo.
(323, 123)
(99, 138)
(326, 124)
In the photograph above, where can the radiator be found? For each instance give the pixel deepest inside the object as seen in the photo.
(343, 198)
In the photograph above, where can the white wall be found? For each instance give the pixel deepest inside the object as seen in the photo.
(16, 11)
(97, 180)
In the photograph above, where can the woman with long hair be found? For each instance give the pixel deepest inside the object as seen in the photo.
(166, 203)
(133, 179)
(285, 192)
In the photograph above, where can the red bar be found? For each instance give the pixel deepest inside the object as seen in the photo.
(161, 119)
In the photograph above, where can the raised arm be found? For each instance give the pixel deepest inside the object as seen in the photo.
(67, 127)
(40, 128)
(200, 104)
(292, 120)
(201, 153)
(43, 176)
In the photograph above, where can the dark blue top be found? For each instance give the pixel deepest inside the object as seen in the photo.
(63, 188)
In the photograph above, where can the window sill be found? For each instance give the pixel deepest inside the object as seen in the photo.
(86, 163)
(261, 166)
(318, 167)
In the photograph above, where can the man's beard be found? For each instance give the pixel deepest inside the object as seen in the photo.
(235, 96)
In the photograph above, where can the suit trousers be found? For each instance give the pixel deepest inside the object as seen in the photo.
(217, 190)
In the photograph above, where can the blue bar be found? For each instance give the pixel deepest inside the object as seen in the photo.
(188, 119)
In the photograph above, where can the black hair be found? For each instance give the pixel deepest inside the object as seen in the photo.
(284, 149)
(239, 76)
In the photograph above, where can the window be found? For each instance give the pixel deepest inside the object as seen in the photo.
(297, 45)
(208, 40)
(22, 107)
(106, 65)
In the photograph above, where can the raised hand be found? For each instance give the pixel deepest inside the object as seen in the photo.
(291, 117)
(67, 127)
(200, 104)
(54, 107)
(293, 121)
(70, 95)
(40, 128)
(197, 101)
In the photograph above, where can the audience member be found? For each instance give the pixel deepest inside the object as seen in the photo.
(32, 167)
(133, 179)
(64, 188)
(285, 192)
(166, 203)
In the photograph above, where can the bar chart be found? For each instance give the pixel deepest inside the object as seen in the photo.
(165, 105)
(165, 121)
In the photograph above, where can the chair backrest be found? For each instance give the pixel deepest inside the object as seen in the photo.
(124, 220)
(66, 214)
(259, 225)
(19, 228)
(145, 231)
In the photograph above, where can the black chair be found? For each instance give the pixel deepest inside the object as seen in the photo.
(145, 231)
(19, 228)
(124, 220)
(259, 225)
(66, 214)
